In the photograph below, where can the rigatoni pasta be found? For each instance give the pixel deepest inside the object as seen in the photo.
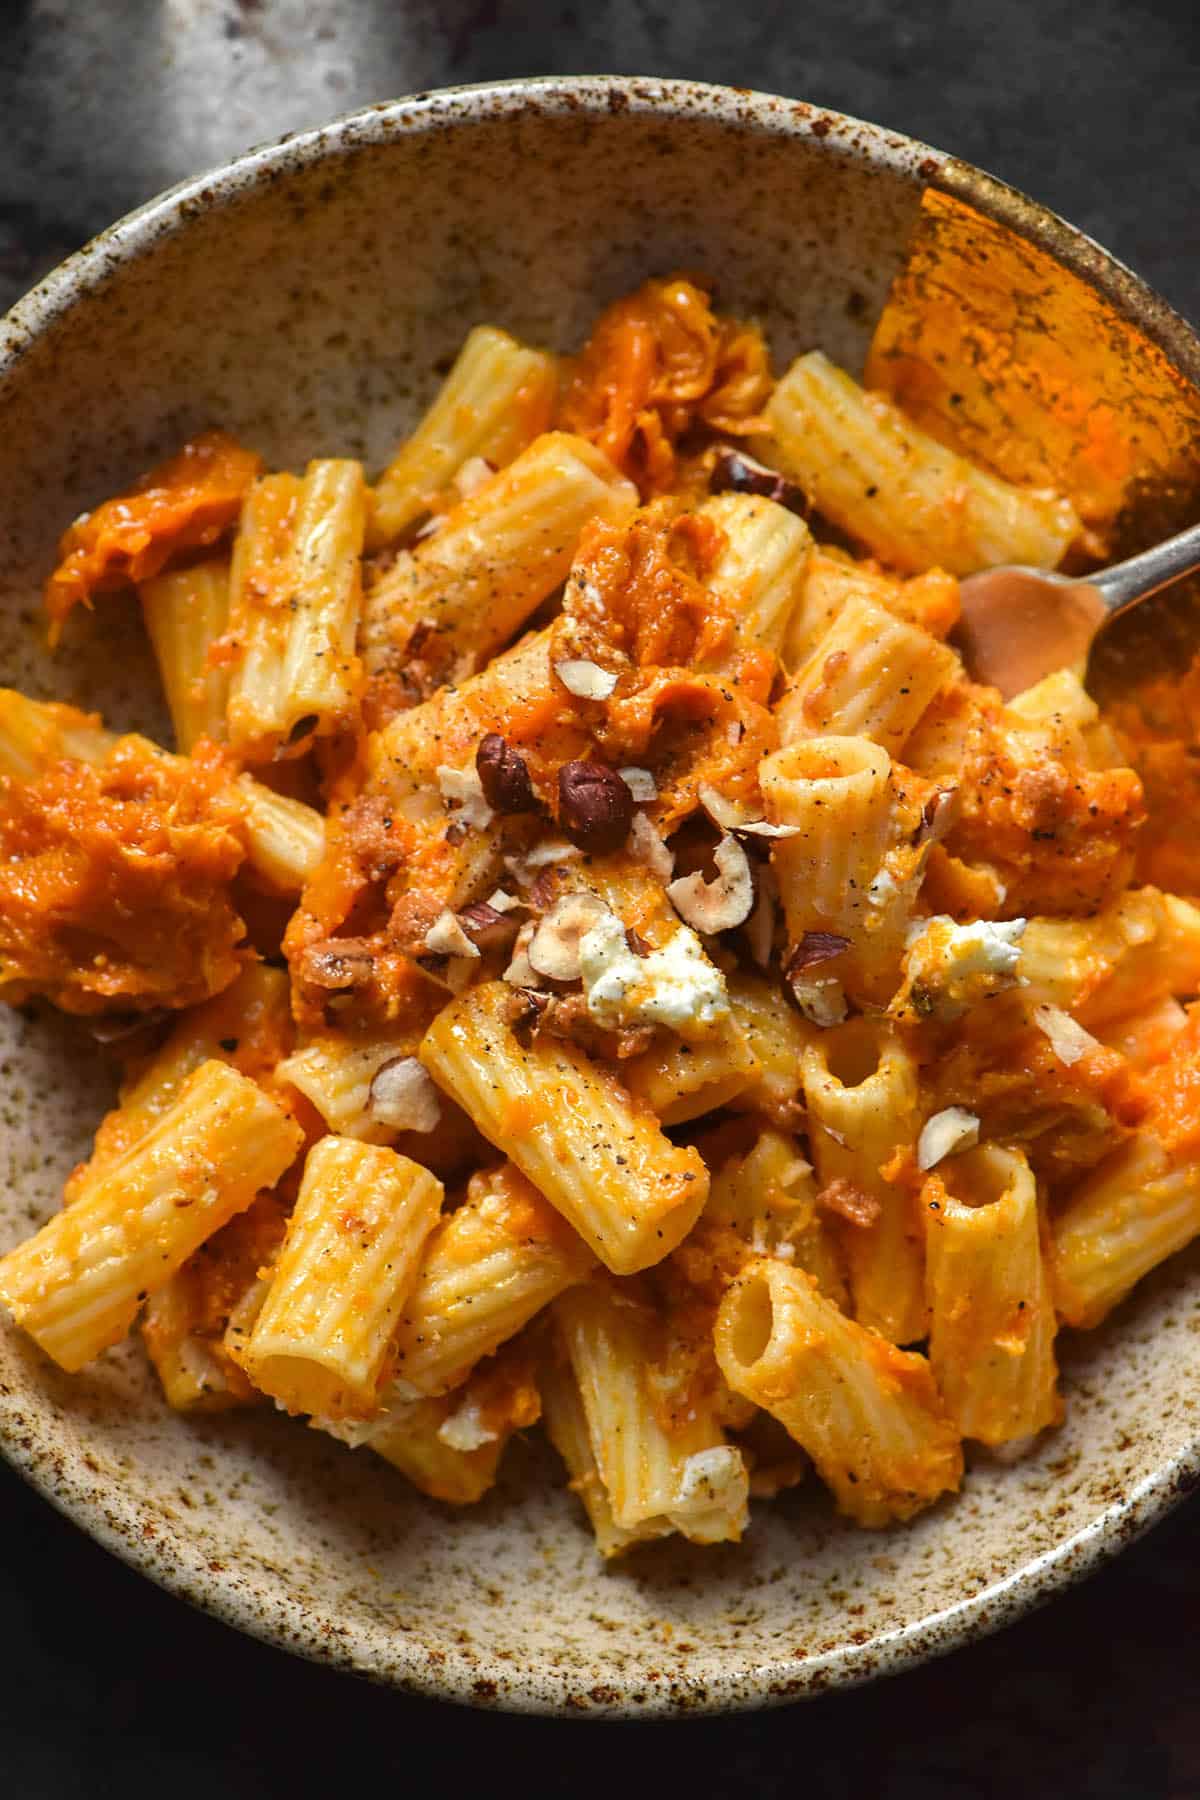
(861, 1089)
(594, 955)
(567, 1428)
(284, 837)
(295, 596)
(369, 1087)
(570, 1127)
(870, 675)
(832, 579)
(868, 1414)
(248, 1025)
(852, 888)
(350, 1257)
(494, 557)
(1140, 1206)
(490, 1267)
(76, 1286)
(495, 400)
(665, 1468)
(763, 562)
(450, 1448)
(186, 1324)
(912, 501)
(993, 1357)
(186, 613)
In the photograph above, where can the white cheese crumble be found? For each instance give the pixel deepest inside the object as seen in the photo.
(712, 1494)
(949, 967)
(945, 1134)
(883, 890)
(465, 1430)
(676, 986)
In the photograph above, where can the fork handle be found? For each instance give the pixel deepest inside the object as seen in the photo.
(1132, 580)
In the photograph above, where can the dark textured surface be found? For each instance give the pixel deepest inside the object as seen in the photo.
(113, 1687)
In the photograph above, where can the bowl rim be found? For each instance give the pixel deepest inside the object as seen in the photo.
(276, 1619)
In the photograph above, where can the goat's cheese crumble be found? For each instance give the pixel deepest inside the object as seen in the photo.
(950, 967)
(712, 1492)
(676, 986)
(464, 1430)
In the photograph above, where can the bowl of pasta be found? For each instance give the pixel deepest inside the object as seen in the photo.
(590, 1124)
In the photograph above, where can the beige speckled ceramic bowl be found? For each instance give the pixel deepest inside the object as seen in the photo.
(304, 297)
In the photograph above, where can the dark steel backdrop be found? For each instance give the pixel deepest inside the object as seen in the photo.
(111, 1687)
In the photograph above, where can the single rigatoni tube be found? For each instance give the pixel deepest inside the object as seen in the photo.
(567, 1428)
(832, 580)
(860, 1088)
(450, 1448)
(490, 1266)
(320, 676)
(295, 596)
(248, 1025)
(848, 814)
(769, 1198)
(348, 1262)
(680, 1081)
(1142, 948)
(185, 613)
(36, 733)
(871, 675)
(76, 1286)
(867, 1413)
(1139, 1207)
(285, 839)
(909, 499)
(683, 1472)
(261, 580)
(496, 399)
(991, 1334)
(496, 556)
(760, 571)
(598, 1156)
